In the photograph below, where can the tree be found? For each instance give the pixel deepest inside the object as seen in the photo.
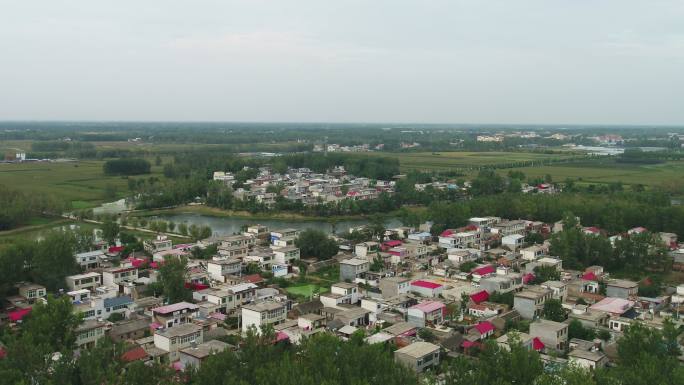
(126, 166)
(378, 263)
(172, 277)
(183, 229)
(553, 310)
(110, 231)
(577, 330)
(314, 243)
(545, 273)
(426, 334)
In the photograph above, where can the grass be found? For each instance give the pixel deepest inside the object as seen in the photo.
(305, 290)
(81, 183)
(610, 172)
(602, 170)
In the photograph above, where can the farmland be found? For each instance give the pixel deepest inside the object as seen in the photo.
(596, 170)
(610, 172)
(463, 160)
(81, 183)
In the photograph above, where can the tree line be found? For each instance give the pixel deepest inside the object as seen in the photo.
(18, 207)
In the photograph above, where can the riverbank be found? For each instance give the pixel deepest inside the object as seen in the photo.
(218, 213)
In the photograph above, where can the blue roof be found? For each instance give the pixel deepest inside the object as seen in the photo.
(116, 301)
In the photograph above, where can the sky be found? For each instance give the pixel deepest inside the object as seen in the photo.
(423, 61)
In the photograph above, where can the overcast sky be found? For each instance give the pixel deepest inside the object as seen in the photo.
(451, 61)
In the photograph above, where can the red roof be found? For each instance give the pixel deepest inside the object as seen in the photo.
(480, 296)
(484, 270)
(594, 230)
(446, 233)
(392, 243)
(484, 327)
(18, 315)
(537, 344)
(253, 278)
(3, 353)
(425, 284)
(590, 276)
(116, 249)
(195, 286)
(134, 354)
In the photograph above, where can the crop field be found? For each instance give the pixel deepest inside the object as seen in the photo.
(81, 183)
(442, 161)
(609, 172)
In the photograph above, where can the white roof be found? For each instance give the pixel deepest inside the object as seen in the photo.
(347, 329)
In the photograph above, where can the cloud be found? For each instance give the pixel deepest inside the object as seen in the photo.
(279, 44)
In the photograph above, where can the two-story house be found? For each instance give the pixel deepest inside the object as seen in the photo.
(263, 313)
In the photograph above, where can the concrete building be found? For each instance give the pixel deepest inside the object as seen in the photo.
(175, 314)
(88, 281)
(426, 313)
(353, 268)
(426, 288)
(554, 335)
(31, 291)
(219, 269)
(89, 260)
(588, 359)
(261, 314)
(196, 354)
(621, 288)
(366, 249)
(418, 356)
(558, 288)
(530, 302)
(394, 286)
(286, 255)
(89, 333)
(175, 339)
(513, 241)
(114, 276)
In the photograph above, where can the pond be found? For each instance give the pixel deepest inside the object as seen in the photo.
(227, 225)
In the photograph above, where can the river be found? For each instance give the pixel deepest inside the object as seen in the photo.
(227, 225)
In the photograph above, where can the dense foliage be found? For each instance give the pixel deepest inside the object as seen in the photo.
(316, 244)
(47, 261)
(126, 166)
(18, 207)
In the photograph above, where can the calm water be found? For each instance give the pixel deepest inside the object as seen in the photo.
(226, 225)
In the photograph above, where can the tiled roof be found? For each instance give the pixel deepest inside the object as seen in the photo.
(484, 270)
(480, 296)
(425, 284)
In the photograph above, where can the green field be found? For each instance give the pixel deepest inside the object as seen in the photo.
(442, 161)
(81, 183)
(305, 290)
(610, 172)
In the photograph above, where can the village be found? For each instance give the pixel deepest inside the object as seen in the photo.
(304, 186)
(431, 296)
